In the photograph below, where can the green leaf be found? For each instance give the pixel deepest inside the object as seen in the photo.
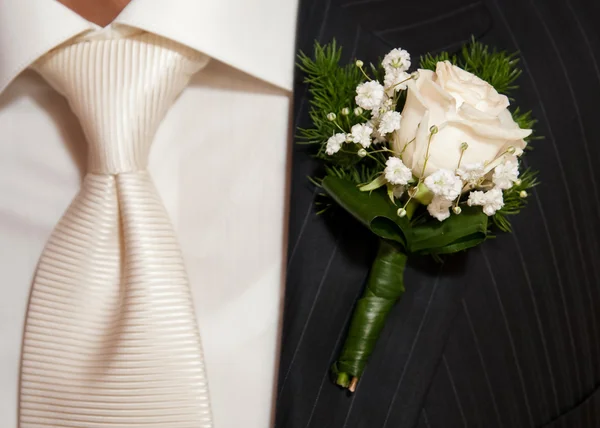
(384, 287)
(390, 193)
(373, 185)
(373, 209)
(456, 233)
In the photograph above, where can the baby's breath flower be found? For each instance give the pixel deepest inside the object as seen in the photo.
(439, 208)
(396, 172)
(395, 80)
(378, 137)
(334, 144)
(494, 201)
(369, 95)
(396, 60)
(390, 122)
(444, 183)
(476, 197)
(491, 201)
(506, 174)
(471, 172)
(361, 134)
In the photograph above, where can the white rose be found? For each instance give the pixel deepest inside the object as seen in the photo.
(465, 109)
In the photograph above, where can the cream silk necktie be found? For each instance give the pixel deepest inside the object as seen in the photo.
(111, 338)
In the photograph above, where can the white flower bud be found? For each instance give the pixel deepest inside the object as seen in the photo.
(331, 116)
(401, 212)
(523, 194)
(358, 111)
(457, 210)
(362, 153)
(511, 150)
(433, 129)
(345, 111)
(464, 146)
(518, 182)
(359, 63)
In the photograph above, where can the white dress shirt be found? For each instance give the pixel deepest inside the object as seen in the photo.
(219, 161)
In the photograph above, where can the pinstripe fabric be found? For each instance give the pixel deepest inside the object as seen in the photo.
(511, 336)
(537, 323)
(110, 338)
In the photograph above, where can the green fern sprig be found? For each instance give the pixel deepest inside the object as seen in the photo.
(429, 61)
(332, 88)
(526, 121)
(514, 200)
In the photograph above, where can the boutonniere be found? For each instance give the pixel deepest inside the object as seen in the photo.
(429, 160)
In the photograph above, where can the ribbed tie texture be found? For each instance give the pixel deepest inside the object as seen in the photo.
(111, 338)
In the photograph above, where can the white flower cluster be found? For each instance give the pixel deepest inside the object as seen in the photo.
(373, 96)
(396, 63)
(447, 186)
(471, 173)
(334, 144)
(361, 134)
(506, 174)
(484, 179)
(369, 95)
(389, 122)
(503, 177)
(396, 172)
(380, 99)
(439, 208)
(491, 201)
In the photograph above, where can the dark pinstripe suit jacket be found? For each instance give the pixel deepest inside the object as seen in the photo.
(507, 335)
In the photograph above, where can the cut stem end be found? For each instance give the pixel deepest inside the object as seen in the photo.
(344, 380)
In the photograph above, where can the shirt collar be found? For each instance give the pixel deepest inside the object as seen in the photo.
(256, 37)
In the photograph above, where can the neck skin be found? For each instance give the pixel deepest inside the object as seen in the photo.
(101, 12)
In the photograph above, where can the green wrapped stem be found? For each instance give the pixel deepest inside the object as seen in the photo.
(384, 287)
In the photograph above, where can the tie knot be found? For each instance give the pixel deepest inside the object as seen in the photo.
(120, 89)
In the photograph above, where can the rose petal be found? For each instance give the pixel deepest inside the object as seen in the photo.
(421, 142)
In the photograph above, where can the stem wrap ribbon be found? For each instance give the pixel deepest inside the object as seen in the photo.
(399, 237)
(384, 287)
